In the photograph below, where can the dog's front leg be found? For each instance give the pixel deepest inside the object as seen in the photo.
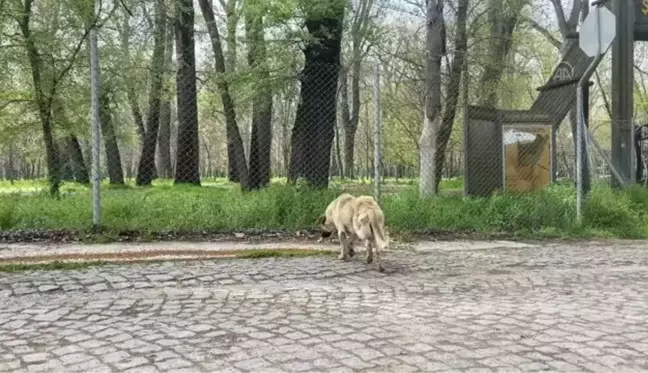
(350, 246)
(369, 251)
(344, 245)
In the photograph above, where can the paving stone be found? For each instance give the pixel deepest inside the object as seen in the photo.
(37, 357)
(480, 310)
(48, 287)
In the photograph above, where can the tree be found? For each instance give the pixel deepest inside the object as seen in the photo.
(146, 168)
(188, 152)
(503, 17)
(131, 92)
(261, 139)
(359, 29)
(45, 82)
(432, 117)
(164, 135)
(113, 156)
(70, 149)
(232, 23)
(235, 150)
(313, 132)
(452, 91)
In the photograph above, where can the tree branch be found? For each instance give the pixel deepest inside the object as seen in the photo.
(67, 68)
(575, 12)
(14, 101)
(606, 102)
(560, 14)
(542, 30)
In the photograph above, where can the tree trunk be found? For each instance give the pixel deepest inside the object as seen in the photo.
(70, 149)
(113, 156)
(346, 119)
(432, 117)
(10, 167)
(452, 94)
(235, 150)
(230, 66)
(313, 132)
(261, 138)
(146, 168)
(79, 169)
(130, 86)
(188, 151)
(338, 152)
(359, 28)
(67, 170)
(285, 133)
(502, 17)
(43, 102)
(164, 135)
(352, 125)
(232, 23)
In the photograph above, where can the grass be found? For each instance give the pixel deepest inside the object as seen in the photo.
(221, 207)
(59, 265)
(50, 266)
(282, 253)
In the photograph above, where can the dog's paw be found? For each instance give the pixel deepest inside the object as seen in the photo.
(351, 252)
(369, 259)
(342, 257)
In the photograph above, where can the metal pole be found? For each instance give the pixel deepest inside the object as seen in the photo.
(377, 159)
(622, 86)
(96, 127)
(580, 119)
(587, 184)
(466, 103)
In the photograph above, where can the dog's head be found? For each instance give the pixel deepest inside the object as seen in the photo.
(324, 227)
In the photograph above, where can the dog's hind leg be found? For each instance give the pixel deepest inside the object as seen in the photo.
(369, 251)
(378, 261)
(344, 243)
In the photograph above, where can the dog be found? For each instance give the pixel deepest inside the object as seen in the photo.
(356, 218)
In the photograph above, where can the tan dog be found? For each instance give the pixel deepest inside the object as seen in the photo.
(353, 218)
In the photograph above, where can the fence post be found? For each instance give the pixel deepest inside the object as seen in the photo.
(96, 126)
(377, 157)
(466, 103)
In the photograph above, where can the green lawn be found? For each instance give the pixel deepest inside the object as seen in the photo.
(220, 206)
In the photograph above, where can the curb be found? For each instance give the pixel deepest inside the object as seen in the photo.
(153, 251)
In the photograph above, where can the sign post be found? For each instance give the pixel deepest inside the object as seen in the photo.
(596, 34)
(622, 87)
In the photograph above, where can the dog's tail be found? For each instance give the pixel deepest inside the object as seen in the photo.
(375, 221)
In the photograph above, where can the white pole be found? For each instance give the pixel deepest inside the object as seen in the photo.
(580, 119)
(96, 127)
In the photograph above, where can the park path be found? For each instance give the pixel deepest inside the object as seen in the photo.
(442, 306)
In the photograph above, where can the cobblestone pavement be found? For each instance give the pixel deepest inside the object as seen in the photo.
(548, 308)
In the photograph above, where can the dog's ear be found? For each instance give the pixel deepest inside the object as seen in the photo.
(321, 220)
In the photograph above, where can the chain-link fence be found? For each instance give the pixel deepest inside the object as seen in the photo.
(190, 111)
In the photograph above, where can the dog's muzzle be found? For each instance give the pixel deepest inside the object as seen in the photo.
(326, 234)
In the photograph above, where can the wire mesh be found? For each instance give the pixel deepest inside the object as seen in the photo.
(179, 114)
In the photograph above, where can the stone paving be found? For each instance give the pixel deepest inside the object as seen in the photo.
(544, 308)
